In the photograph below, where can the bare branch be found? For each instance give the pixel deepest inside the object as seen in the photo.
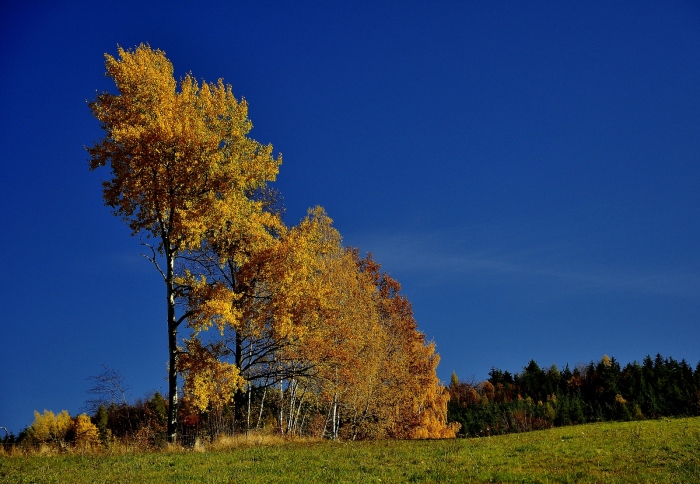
(152, 258)
(109, 388)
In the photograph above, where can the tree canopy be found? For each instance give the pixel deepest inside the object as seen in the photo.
(296, 313)
(182, 167)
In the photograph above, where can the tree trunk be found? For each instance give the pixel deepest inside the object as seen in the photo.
(248, 386)
(262, 402)
(335, 416)
(297, 426)
(172, 350)
(292, 389)
(239, 396)
(248, 419)
(281, 408)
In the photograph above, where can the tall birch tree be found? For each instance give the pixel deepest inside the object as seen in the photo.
(182, 168)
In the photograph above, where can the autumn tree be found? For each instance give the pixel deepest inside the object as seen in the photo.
(413, 401)
(292, 306)
(345, 339)
(182, 168)
(331, 331)
(233, 286)
(86, 433)
(226, 291)
(209, 381)
(348, 324)
(48, 427)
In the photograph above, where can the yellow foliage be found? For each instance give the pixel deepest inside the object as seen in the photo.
(180, 159)
(431, 421)
(86, 433)
(210, 304)
(48, 427)
(209, 382)
(183, 171)
(322, 307)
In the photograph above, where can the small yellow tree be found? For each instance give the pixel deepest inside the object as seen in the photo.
(86, 433)
(209, 382)
(48, 427)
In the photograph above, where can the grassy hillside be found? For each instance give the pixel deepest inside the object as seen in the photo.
(647, 451)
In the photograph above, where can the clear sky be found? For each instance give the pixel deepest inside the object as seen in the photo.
(529, 171)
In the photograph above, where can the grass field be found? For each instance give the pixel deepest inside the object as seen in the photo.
(646, 451)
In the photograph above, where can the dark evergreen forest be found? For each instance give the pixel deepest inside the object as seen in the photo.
(540, 398)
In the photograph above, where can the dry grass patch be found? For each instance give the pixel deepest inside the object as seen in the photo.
(252, 439)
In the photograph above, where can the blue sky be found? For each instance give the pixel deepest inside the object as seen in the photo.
(528, 171)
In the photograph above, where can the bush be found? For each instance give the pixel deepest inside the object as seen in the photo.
(49, 428)
(86, 433)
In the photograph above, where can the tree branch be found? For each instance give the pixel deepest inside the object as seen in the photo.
(152, 258)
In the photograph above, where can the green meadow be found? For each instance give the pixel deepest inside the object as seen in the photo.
(644, 451)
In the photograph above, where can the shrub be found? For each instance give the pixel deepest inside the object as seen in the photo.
(48, 427)
(86, 433)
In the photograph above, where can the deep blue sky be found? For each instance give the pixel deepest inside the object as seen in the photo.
(527, 170)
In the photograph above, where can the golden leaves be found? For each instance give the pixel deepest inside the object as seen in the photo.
(209, 382)
(210, 303)
(184, 172)
(48, 427)
(86, 432)
(180, 159)
(330, 310)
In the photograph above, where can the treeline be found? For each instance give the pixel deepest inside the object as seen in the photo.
(540, 398)
(320, 335)
(287, 408)
(347, 361)
(278, 325)
(140, 425)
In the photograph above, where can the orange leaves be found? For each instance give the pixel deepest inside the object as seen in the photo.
(410, 398)
(328, 310)
(184, 172)
(292, 275)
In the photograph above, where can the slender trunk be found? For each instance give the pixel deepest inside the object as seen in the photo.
(335, 414)
(325, 422)
(297, 426)
(262, 403)
(239, 350)
(301, 425)
(281, 408)
(172, 349)
(250, 352)
(365, 413)
(239, 397)
(248, 418)
(292, 389)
